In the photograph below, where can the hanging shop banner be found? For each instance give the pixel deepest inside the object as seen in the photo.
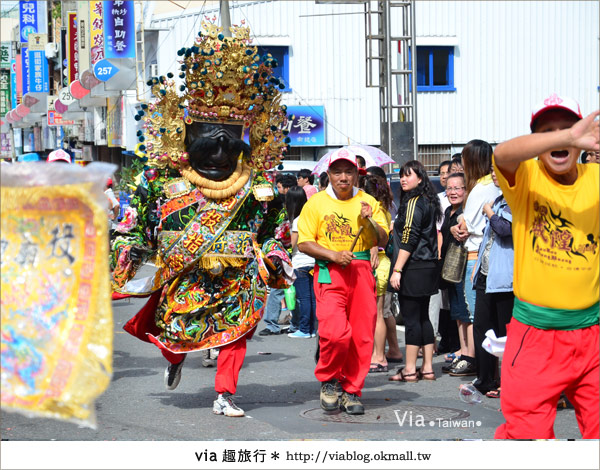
(119, 30)
(4, 92)
(54, 117)
(39, 80)
(60, 135)
(114, 124)
(307, 127)
(25, 70)
(96, 32)
(13, 84)
(19, 73)
(83, 20)
(72, 52)
(28, 20)
(5, 54)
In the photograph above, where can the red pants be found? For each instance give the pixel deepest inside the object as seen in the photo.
(347, 311)
(230, 361)
(537, 366)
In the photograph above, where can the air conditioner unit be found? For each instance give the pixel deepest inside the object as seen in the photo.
(153, 70)
(51, 50)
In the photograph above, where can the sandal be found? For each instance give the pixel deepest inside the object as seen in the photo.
(375, 367)
(402, 377)
(493, 394)
(426, 375)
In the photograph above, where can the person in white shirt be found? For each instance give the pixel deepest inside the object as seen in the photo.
(477, 161)
(295, 198)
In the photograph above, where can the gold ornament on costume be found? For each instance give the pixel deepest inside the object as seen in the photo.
(164, 126)
(225, 81)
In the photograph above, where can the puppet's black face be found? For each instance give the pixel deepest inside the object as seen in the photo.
(214, 148)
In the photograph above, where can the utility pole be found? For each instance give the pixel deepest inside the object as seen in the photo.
(225, 17)
(397, 92)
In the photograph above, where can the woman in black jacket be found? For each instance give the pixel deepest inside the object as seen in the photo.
(415, 266)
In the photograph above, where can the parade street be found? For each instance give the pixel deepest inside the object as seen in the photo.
(279, 393)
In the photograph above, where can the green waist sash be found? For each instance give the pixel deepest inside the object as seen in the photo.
(555, 318)
(325, 277)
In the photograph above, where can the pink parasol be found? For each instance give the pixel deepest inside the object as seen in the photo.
(372, 155)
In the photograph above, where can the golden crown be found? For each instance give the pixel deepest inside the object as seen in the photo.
(225, 80)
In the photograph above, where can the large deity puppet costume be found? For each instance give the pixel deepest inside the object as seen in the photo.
(205, 213)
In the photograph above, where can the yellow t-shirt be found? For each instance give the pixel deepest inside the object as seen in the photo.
(555, 233)
(333, 224)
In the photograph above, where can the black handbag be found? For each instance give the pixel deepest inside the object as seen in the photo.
(455, 262)
(389, 248)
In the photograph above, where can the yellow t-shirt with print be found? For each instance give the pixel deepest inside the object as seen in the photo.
(333, 224)
(555, 234)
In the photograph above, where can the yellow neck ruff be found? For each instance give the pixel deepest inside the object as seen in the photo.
(218, 189)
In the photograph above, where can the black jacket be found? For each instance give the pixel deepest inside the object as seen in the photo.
(415, 230)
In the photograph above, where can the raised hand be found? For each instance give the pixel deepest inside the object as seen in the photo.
(585, 134)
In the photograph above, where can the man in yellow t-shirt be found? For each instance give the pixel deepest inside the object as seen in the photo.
(344, 281)
(552, 343)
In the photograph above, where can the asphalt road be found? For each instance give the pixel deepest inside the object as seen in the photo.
(279, 393)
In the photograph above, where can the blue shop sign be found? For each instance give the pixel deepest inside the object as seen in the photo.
(25, 70)
(13, 84)
(307, 128)
(28, 20)
(38, 72)
(119, 30)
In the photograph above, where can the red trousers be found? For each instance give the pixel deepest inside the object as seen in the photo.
(347, 312)
(537, 366)
(230, 361)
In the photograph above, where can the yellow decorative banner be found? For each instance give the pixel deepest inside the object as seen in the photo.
(55, 296)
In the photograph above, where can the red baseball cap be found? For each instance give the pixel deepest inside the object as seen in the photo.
(554, 101)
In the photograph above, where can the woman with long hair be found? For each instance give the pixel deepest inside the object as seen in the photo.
(303, 264)
(415, 266)
(379, 189)
(480, 189)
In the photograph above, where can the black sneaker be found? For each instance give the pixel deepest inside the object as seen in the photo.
(351, 404)
(173, 375)
(267, 332)
(447, 368)
(329, 396)
(463, 369)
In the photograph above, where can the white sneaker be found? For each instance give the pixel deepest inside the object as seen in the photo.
(224, 405)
